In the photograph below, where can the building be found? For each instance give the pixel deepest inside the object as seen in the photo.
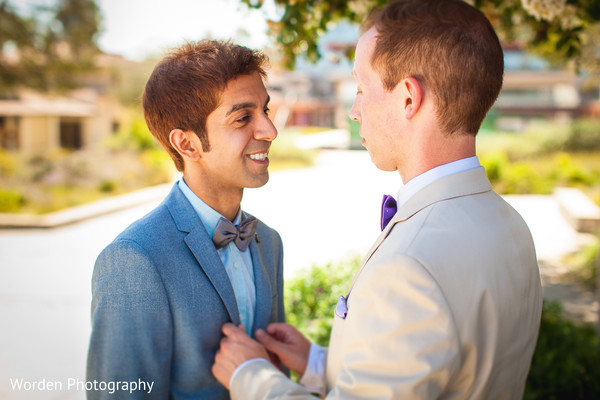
(35, 123)
(32, 122)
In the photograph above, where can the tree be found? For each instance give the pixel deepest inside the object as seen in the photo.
(47, 52)
(559, 30)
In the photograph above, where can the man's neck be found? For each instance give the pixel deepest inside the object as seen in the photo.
(436, 153)
(225, 201)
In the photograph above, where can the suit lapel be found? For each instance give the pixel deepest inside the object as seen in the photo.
(456, 185)
(200, 244)
(261, 258)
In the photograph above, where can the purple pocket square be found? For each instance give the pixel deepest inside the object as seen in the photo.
(341, 310)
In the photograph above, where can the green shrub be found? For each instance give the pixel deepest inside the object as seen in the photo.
(584, 265)
(566, 362)
(284, 154)
(10, 201)
(8, 164)
(572, 173)
(134, 135)
(311, 297)
(494, 164)
(583, 135)
(107, 186)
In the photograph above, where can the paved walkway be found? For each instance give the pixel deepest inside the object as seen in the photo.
(45, 273)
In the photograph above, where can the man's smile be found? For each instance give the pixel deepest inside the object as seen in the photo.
(259, 156)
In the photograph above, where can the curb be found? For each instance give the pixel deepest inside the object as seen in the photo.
(578, 209)
(85, 211)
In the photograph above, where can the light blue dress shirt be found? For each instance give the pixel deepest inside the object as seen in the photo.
(238, 264)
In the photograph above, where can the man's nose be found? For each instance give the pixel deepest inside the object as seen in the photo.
(266, 130)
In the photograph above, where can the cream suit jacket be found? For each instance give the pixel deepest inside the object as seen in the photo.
(446, 305)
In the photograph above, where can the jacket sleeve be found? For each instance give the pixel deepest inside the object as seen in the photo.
(131, 339)
(399, 341)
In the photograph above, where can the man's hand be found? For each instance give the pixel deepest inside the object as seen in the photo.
(236, 348)
(287, 343)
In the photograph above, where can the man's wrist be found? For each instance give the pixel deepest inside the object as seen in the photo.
(312, 379)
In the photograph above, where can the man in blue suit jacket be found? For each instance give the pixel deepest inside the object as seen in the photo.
(165, 286)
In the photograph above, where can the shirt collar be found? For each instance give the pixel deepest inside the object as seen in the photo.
(209, 216)
(420, 181)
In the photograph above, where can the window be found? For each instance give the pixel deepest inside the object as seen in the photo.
(9, 133)
(70, 134)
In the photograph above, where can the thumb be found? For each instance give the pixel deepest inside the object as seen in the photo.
(270, 343)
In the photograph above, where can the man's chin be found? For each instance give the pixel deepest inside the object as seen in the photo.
(259, 181)
(381, 165)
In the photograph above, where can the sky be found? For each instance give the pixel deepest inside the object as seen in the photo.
(136, 29)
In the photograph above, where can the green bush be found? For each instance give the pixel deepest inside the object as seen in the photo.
(584, 265)
(311, 297)
(10, 201)
(134, 135)
(8, 164)
(541, 174)
(573, 173)
(566, 362)
(494, 164)
(284, 154)
(107, 186)
(583, 135)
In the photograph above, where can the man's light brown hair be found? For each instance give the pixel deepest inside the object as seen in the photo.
(186, 86)
(449, 47)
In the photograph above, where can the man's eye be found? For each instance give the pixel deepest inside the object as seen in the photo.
(267, 110)
(244, 119)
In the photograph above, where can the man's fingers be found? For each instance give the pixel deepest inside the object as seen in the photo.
(222, 369)
(271, 344)
(229, 329)
(278, 329)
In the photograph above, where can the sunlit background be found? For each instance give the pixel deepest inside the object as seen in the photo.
(77, 163)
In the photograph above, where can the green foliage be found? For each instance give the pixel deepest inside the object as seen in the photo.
(311, 297)
(494, 164)
(48, 46)
(564, 37)
(134, 135)
(584, 265)
(284, 154)
(304, 21)
(10, 201)
(583, 135)
(538, 175)
(59, 179)
(7, 164)
(566, 363)
(107, 186)
(537, 160)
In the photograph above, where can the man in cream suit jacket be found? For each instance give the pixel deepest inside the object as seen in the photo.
(163, 288)
(448, 301)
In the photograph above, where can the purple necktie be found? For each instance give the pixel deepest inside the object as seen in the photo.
(388, 210)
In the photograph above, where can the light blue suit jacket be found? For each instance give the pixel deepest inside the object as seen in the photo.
(160, 296)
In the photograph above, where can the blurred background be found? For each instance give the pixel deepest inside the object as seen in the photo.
(78, 164)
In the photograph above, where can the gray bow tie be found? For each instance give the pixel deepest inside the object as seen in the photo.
(225, 232)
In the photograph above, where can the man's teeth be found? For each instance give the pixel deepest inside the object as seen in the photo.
(259, 156)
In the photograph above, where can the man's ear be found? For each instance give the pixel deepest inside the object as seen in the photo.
(186, 143)
(414, 95)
